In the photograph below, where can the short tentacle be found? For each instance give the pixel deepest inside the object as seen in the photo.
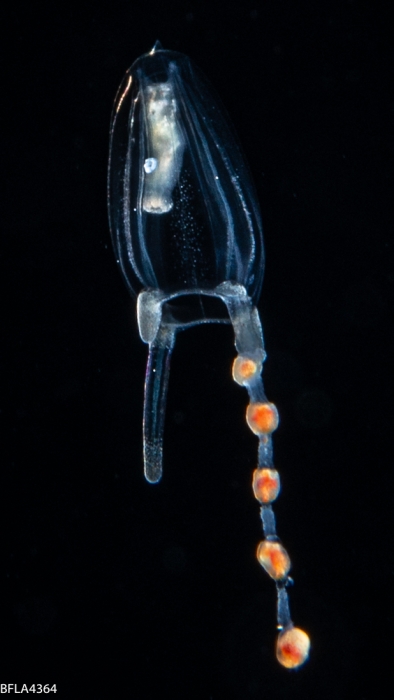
(156, 384)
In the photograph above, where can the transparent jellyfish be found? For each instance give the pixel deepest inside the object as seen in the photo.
(187, 233)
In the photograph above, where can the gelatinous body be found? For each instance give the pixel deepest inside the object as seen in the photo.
(186, 229)
(183, 210)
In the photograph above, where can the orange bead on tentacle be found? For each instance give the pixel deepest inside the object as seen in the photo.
(274, 559)
(262, 418)
(292, 647)
(266, 485)
(245, 369)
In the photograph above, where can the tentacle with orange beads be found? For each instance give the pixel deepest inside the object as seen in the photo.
(292, 648)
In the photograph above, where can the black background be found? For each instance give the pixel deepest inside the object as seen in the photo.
(114, 587)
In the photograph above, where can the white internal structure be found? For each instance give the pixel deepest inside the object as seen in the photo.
(165, 147)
